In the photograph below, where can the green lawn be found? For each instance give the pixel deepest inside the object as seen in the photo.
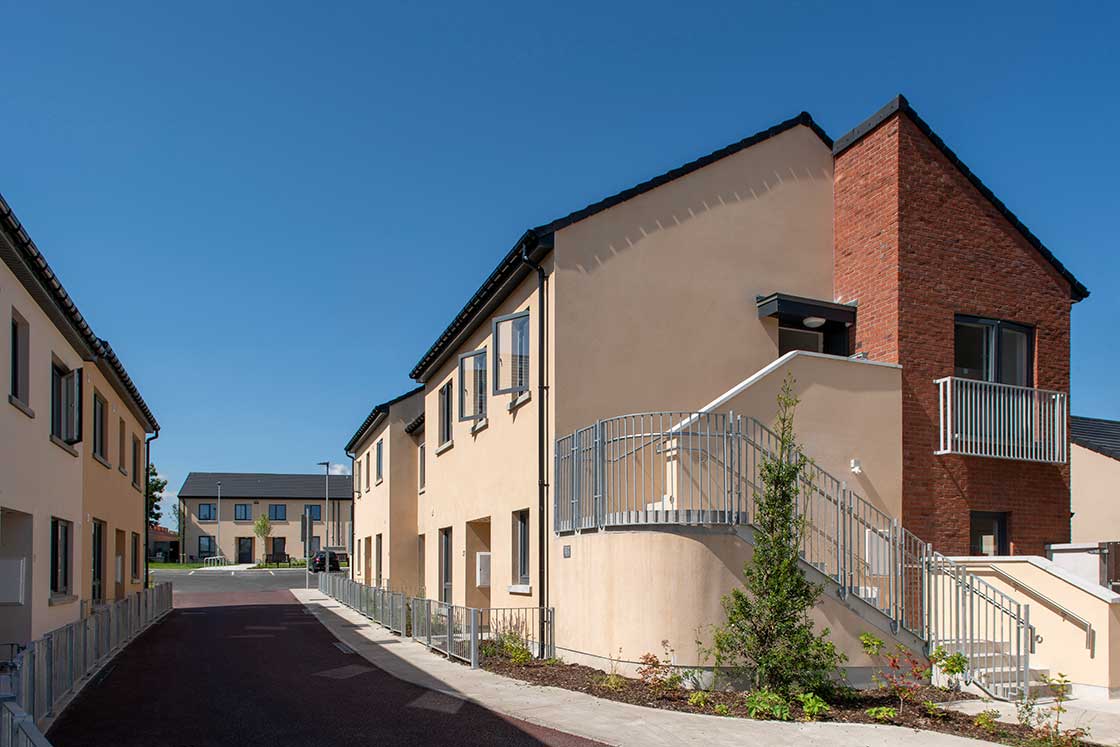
(154, 566)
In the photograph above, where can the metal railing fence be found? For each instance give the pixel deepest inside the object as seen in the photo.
(455, 631)
(51, 668)
(706, 468)
(983, 418)
(18, 729)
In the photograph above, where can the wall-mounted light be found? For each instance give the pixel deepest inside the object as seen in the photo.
(857, 468)
(812, 322)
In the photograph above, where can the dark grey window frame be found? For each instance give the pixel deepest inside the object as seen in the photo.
(444, 428)
(478, 396)
(242, 512)
(379, 459)
(62, 556)
(213, 546)
(20, 376)
(422, 459)
(523, 544)
(995, 329)
(100, 426)
(66, 403)
(211, 511)
(277, 512)
(517, 385)
(316, 511)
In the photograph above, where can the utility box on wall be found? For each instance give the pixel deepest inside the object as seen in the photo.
(12, 575)
(482, 570)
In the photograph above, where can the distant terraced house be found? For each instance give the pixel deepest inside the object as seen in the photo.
(588, 430)
(76, 438)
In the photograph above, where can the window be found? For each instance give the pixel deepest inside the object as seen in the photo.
(988, 533)
(121, 436)
(993, 350)
(521, 542)
(277, 512)
(511, 353)
(367, 471)
(206, 546)
(136, 461)
(100, 426)
(66, 404)
(423, 468)
(446, 402)
(799, 339)
(19, 356)
(315, 544)
(208, 512)
(377, 559)
(279, 545)
(315, 510)
(357, 476)
(61, 552)
(135, 555)
(241, 512)
(380, 457)
(445, 559)
(472, 383)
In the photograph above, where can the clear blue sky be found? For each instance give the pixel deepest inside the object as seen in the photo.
(244, 199)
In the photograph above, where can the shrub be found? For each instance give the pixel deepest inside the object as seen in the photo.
(904, 674)
(698, 699)
(1050, 732)
(766, 704)
(721, 709)
(933, 710)
(987, 720)
(882, 714)
(612, 682)
(952, 665)
(813, 706)
(659, 674)
(768, 635)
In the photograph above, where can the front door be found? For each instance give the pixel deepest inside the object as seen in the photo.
(369, 557)
(244, 549)
(97, 585)
(988, 533)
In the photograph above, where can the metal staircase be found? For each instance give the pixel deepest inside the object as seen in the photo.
(704, 469)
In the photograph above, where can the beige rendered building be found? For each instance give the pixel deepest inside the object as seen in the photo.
(71, 519)
(219, 510)
(1095, 467)
(594, 417)
(387, 453)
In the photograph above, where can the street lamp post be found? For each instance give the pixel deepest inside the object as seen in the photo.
(219, 517)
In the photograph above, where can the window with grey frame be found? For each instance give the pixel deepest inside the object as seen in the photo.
(367, 471)
(241, 512)
(521, 531)
(446, 410)
(315, 510)
(422, 467)
(100, 426)
(277, 512)
(510, 334)
(61, 555)
(208, 512)
(66, 403)
(380, 461)
(19, 376)
(472, 385)
(206, 548)
(993, 350)
(136, 461)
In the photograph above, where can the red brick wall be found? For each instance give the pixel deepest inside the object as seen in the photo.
(903, 212)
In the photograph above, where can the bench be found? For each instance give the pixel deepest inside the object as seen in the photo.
(278, 558)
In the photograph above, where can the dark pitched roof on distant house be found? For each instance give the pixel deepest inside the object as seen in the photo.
(265, 485)
(1096, 434)
(42, 277)
(899, 103)
(536, 242)
(375, 414)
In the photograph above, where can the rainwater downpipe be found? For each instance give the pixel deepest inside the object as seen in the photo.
(148, 500)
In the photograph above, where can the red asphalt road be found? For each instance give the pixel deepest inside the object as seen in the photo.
(256, 669)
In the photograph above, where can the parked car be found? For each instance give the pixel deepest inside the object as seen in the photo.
(319, 561)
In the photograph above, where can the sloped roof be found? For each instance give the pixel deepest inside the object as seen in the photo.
(898, 104)
(378, 410)
(1096, 434)
(265, 485)
(42, 274)
(537, 241)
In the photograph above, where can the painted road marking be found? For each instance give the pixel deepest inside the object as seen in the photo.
(191, 573)
(271, 573)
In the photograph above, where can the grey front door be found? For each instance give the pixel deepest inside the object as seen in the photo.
(244, 549)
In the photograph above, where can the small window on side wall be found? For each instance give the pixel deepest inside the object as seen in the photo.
(66, 403)
(20, 379)
(380, 459)
(510, 334)
(472, 383)
(446, 407)
(521, 545)
(423, 467)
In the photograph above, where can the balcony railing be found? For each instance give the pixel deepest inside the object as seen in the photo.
(982, 418)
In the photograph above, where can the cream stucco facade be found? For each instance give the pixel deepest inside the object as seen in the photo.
(1095, 496)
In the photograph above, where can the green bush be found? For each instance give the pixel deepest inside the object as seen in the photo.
(986, 720)
(722, 710)
(813, 706)
(698, 699)
(766, 704)
(882, 714)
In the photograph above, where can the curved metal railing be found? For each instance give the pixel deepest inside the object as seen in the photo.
(705, 468)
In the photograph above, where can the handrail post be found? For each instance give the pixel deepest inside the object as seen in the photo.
(598, 476)
(474, 637)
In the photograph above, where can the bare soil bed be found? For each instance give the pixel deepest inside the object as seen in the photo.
(847, 705)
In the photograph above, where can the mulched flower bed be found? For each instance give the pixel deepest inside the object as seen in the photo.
(849, 707)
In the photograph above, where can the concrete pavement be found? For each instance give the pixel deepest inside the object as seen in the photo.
(1100, 717)
(585, 715)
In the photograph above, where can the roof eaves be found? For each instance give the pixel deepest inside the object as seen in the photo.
(417, 424)
(899, 104)
(511, 269)
(375, 416)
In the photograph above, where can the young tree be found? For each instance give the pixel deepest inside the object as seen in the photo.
(769, 637)
(262, 527)
(156, 485)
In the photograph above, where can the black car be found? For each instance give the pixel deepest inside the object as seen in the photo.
(319, 561)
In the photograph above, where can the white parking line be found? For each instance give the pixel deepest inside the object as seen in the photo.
(271, 573)
(191, 573)
(231, 573)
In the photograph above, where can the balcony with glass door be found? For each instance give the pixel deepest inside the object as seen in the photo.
(989, 407)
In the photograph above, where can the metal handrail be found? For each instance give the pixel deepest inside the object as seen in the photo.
(1065, 612)
(998, 385)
